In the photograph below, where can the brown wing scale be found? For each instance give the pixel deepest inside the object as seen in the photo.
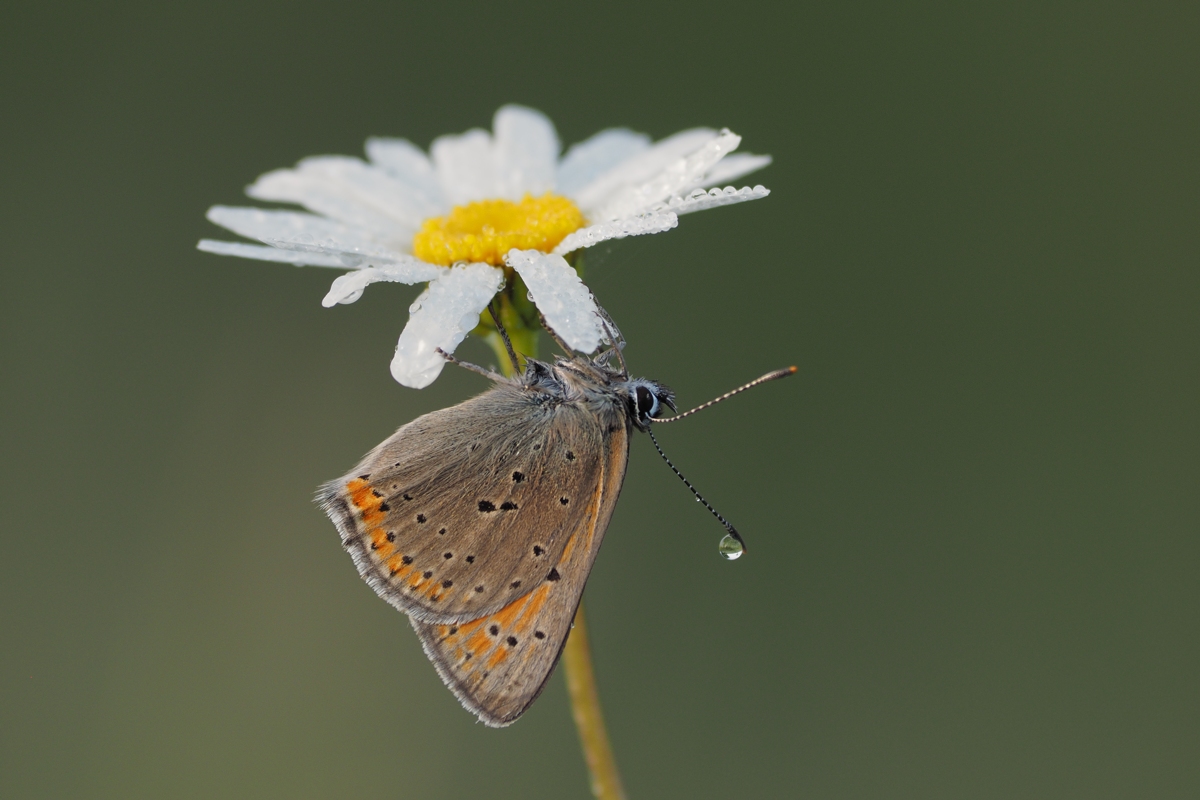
(498, 663)
(449, 524)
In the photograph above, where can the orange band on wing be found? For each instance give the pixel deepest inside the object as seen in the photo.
(498, 657)
(466, 628)
(505, 616)
(515, 618)
(537, 599)
(368, 505)
(397, 566)
(479, 642)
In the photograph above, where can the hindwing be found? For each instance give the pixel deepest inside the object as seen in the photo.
(497, 664)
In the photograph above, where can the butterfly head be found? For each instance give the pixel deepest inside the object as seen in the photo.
(646, 400)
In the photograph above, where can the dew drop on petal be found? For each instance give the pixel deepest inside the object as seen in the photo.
(414, 308)
(730, 548)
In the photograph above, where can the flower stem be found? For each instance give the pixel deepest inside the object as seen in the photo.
(585, 707)
(577, 654)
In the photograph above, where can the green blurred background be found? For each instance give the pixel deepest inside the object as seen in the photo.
(973, 516)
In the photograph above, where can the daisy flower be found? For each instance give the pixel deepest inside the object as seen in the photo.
(477, 209)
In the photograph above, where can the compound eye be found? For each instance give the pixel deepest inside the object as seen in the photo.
(647, 403)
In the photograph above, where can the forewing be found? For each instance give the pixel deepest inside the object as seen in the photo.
(498, 663)
(464, 510)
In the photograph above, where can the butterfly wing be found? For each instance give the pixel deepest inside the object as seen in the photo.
(464, 510)
(497, 664)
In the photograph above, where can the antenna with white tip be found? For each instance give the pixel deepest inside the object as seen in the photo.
(770, 376)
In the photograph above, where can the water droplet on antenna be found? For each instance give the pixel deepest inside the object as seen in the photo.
(730, 548)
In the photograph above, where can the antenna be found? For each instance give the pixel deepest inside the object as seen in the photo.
(733, 545)
(728, 526)
(770, 376)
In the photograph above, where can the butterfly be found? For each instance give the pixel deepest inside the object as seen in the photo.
(481, 521)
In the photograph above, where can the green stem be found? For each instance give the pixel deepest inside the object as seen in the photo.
(577, 654)
(585, 707)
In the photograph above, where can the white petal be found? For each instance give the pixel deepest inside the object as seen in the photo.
(373, 186)
(587, 160)
(407, 163)
(526, 152)
(699, 200)
(560, 295)
(676, 177)
(617, 229)
(732, 167)
(261, 253)
(442, 317)
(289, 226)
(349, 287)
(640, 167)
(465, 166)
(351, 254)
(350, 191)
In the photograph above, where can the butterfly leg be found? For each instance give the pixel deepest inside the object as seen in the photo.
(512, 354)
(487, 373)
(616, 346)
(558, 340)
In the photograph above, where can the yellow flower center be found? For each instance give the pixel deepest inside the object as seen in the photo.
(485, 230)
